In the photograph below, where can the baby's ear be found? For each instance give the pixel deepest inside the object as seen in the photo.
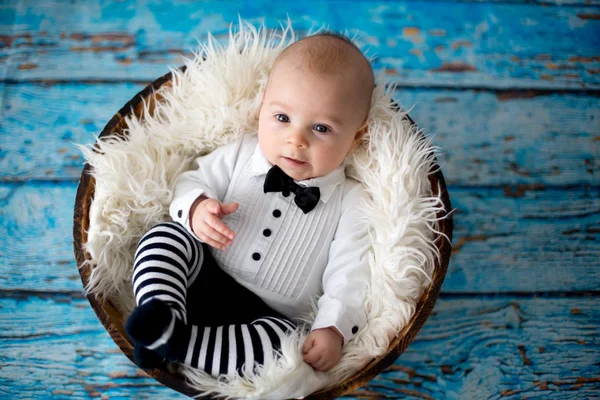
(261, 96)
(359, 134)
(362, 130)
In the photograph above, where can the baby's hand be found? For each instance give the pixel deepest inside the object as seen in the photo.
(323, 348)
(206, 215)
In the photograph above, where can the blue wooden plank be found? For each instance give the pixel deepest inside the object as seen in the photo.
(40, 125)
(446, 44)
(56, 348)
(40, 258)
(505, 241)
(503, 139)
(485, 138)
(521, 240)
(513, 239)
(7, 17)
(469, 348)
(504, 348)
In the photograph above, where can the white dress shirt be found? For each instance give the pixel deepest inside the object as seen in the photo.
(286, 257)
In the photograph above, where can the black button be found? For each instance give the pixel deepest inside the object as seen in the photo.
(267, 232)
(285, 194)
(179, 213)
(276, 213)
(354, 330)
(256, 256)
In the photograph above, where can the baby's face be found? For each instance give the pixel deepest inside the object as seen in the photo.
(307, 123)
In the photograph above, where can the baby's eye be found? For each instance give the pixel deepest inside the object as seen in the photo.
(321, 128)
(282, 118)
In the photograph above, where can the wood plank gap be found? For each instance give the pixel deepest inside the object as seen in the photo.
(503, 94)
(556, 294)
(583, 187)
(73, 294)
(15, 182)
(5, 71)
(42, 294)
(57, 82)
(540, 3)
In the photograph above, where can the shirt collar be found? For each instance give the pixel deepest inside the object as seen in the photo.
(326, 184)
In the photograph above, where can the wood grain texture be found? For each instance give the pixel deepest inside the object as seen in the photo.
(469, 348)
(520, 151)
(444, 44)
(505, 241)
(63, 114)
(8, 14)
(487, 138)
(40, 257)
(56, 348)
(505, 348)
(525, 239)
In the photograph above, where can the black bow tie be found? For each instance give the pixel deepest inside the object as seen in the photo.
(305, 197)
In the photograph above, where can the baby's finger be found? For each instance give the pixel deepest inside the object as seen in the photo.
(229, 208)
(308, 344)
(219, 226)
(211, 242)
(221, 241)
(312, 356)
(215, 232)
(215, 235)
(320, 365)
(214, 207)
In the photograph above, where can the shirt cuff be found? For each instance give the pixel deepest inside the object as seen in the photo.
(345, 319)
(180, 209)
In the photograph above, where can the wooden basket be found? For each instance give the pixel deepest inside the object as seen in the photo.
(113, 320)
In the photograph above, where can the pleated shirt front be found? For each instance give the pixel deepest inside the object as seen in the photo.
(286, 257)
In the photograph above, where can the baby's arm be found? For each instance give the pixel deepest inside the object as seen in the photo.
(346, 277)
(209, 180)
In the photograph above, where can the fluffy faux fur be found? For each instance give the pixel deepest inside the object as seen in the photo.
(214, 102)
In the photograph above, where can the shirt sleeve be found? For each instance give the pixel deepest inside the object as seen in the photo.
(211, 178)
(347, 275)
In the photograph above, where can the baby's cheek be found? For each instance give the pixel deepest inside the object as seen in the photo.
(332, 158)
(269, 149)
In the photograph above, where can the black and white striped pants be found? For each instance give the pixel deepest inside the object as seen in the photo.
(218, 325)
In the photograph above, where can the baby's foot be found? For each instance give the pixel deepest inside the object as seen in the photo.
(147, 359)
(149, 322)
(156, 326)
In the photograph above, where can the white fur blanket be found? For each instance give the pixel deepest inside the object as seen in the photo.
(214, 102)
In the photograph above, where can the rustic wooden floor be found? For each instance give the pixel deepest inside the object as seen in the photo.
(511, 90)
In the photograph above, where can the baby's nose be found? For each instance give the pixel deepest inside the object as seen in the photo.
(297, 137)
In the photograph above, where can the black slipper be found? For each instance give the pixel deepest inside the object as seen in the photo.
(148, 322)
(147, 359)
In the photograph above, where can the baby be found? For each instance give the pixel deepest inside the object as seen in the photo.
(265, 226)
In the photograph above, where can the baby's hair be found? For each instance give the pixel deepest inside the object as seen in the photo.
(328, 52)
(339, 35)
(336, 35)
(334, 55)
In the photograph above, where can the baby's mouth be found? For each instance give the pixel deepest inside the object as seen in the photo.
(293, 161)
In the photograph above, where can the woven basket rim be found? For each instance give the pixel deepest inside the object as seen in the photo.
(113, 322)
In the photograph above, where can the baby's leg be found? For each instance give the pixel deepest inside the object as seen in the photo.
(235, 348)
(167, 259)
(217, 350)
